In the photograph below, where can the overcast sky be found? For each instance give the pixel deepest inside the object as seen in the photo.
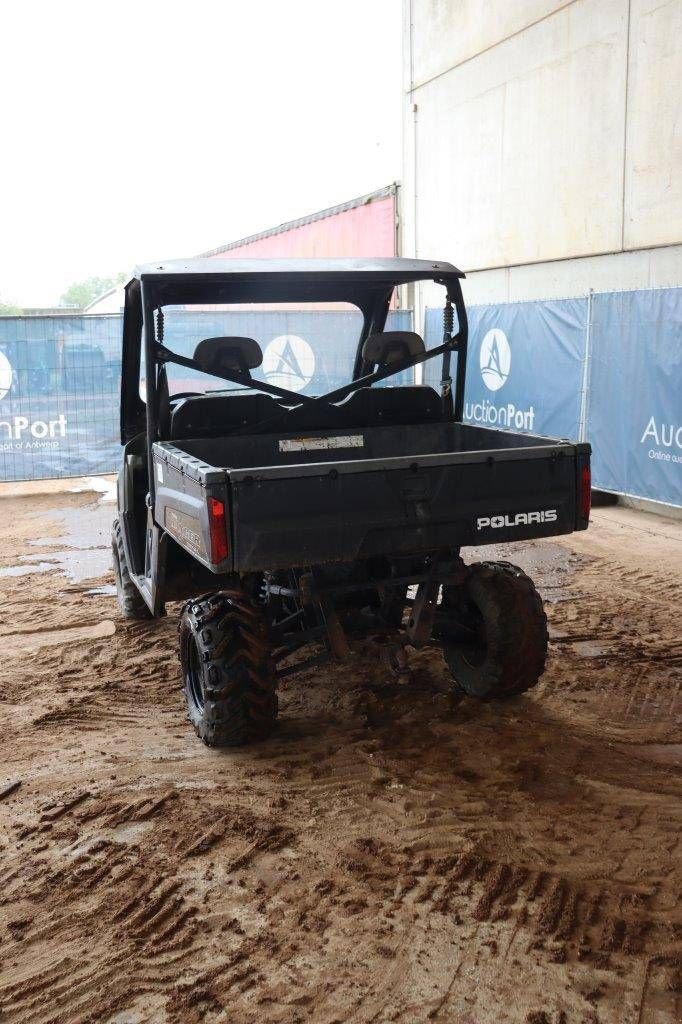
(139, 130)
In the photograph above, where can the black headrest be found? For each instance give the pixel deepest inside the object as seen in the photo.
(392, 347)
(218, 355)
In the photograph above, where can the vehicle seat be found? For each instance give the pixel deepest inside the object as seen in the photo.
(376, 407)
(217, 415)
(400, 405)
(382, 350)
(227, 355)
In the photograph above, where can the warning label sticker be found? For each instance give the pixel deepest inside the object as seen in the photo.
(314, 444)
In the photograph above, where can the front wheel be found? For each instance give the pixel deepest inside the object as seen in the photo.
(494, 631)
(228, 676)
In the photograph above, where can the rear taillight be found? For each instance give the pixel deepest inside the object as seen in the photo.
(585, 496)
(217, 524)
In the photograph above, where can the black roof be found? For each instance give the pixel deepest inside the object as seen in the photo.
(395, 268)
(216, 281)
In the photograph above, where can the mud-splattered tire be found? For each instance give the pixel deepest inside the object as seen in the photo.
(129, 598)
(228, 677)
(508, 647)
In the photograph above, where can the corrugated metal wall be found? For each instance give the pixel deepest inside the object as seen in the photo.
(366, 230)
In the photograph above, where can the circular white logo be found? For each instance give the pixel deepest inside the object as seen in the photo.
(495, 359)
(289, 362)
(5, 375)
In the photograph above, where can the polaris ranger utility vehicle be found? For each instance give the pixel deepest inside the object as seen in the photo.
(292, 524)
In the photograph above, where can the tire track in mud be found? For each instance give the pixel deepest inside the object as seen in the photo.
(119, 887)
(628, 680)
(131, 662)
(394, 853)
(495, 886)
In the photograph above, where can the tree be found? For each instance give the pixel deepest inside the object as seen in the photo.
(9, 309)
(82, 293)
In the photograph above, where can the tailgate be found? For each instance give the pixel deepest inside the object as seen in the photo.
(184, 487)
(303, 514)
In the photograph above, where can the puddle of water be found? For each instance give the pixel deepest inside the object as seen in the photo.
(83, 550)
(122, 834)
(548, 564)
(81, 563)
(27, 570)
(589, 649)
(15, 643)
(150, 1006)
(129, 833)
(102, 485)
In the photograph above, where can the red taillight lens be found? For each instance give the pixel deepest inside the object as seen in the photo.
(585, 501)
(218, 530)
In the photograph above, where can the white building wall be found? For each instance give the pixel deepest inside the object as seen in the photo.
(653, 149)
(543, 143)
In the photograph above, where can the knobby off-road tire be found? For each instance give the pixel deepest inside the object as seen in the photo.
(228, 674)
(508, 649)
(130, 600)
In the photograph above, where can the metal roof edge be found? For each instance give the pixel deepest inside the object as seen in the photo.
(416, 269)
(103, 295)
(311, 218)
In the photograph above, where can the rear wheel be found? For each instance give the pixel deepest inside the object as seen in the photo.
(494, 631)
(228, 675)
(130, 600)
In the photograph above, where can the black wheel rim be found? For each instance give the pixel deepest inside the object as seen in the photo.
(193, 676)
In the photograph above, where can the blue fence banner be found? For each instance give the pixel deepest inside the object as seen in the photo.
(59, 380)
(60, 376)
(634, 414)
(525, 365)
(607, 369)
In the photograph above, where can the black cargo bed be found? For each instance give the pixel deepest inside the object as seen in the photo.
(343, 495)
(257, 453)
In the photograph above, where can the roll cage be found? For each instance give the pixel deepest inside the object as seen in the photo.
(368, 284)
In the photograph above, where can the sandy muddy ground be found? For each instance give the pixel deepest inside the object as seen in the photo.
(393, 854)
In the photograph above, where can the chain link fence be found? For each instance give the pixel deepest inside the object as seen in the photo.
(60, 376)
